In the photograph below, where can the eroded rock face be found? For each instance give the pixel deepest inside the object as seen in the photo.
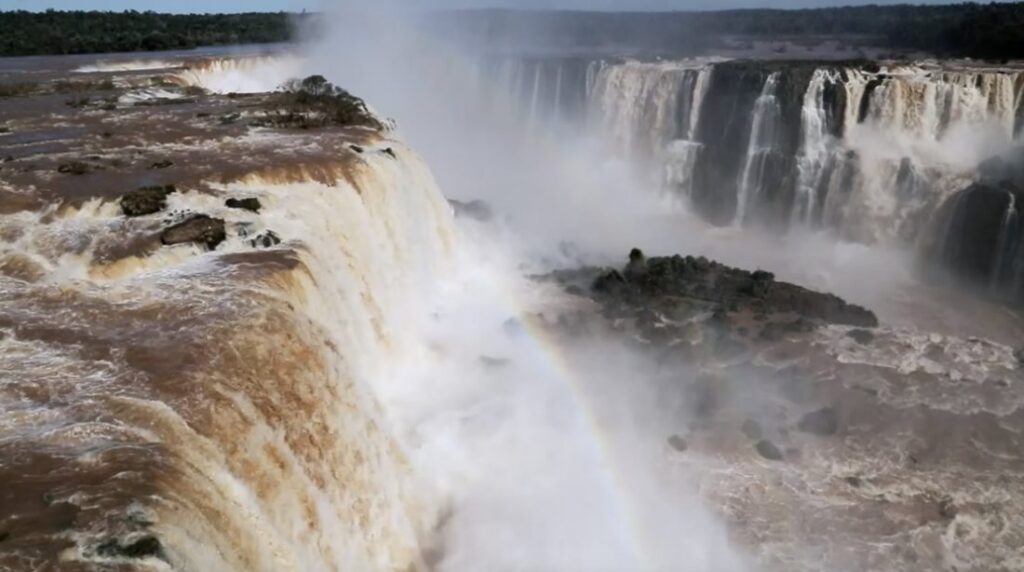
(982, 240)
(200, 228)
(146, 200)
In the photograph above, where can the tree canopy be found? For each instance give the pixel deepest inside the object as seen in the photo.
(58, 32)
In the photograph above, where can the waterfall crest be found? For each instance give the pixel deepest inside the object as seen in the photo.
(218, 410)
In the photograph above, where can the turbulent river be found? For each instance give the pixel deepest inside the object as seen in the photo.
(358, 374)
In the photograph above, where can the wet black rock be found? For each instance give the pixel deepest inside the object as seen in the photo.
(162, 164)
(389, 152)
(678, 443)
(265, 239)
(146, 200)
(249, 204)
(947, 509)
(823, 422)
(863, 337)
(1020, 356)
(854, 481)
(198, 228)
(768, 450)
(77, 168)
(476, 209)
(752, 429)
(144, 547)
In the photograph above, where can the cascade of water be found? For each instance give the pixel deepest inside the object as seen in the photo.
(816, 146)
(700, 90)
(535, 96)
(764, 126)
(1008, 236)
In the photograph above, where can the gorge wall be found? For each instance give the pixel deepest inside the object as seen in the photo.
(874, 153)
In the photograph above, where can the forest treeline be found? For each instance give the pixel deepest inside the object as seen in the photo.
(987, 31)
(57, 32)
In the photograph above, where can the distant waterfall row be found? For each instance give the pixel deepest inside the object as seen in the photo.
(872, 153)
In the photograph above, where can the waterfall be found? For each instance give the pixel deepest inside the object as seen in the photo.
(816, 146)
(763, 128)
(219, 410)
(1003, 269)
(869, 153)
(700, 90)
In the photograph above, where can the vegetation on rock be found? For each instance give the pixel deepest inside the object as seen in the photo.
(315, 102)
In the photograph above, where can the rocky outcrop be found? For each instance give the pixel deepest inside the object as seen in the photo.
(723, 290)
(146, 200)
(200, 229)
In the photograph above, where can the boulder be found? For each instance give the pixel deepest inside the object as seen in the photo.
(249, 204)
(678, 443)
(198, 228)
(146, 200)
(145, 547)
(768, 450)
(823, 422)
(161, 164)
(76, 168)
(265, 239)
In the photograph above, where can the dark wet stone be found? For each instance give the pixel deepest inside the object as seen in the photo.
(854, 482)
(141, 548)
(752, 429)
(4, 536)
(146, 200)
(249, 204)
(823, 422)
(947, 509)
(389, 152)
(768, 450)
(198, 228)
(161, 164)
(265, 239)
(476, 209)
(863, 337)
(76, 168)
(357, 148)
(1020, 356)
(678, 443)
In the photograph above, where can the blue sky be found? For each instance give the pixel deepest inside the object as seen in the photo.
(299, 5)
